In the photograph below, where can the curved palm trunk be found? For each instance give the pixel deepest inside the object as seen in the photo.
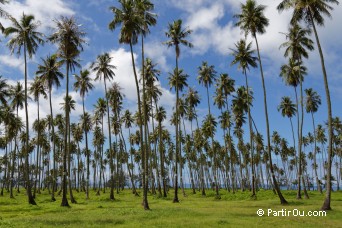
(275, 183)
(27, 166)
(326, 204)
(250, 139)
(144, 154)
(175, 199)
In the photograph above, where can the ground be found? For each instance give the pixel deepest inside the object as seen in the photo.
(233, 210)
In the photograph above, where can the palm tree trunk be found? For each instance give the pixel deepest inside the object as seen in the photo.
(54, 178)
(315, 153)
(326, 204)
(37, 155)
(144, 154)
(275, 183)
(27, 165)
(250, 139)
(66, 146)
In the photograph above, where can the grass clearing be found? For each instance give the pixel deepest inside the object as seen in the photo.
(233, 210)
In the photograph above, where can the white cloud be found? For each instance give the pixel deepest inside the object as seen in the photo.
(43, 10)
(13, 62)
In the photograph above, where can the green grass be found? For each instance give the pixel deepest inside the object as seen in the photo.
(233, 210)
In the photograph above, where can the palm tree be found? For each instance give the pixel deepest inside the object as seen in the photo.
(104, 69)
(24, 35)
(37, 89)
(313, 12)
(177, 80)
(83, 83)
(206, 76)
(312, 101)
(296, 46)
(50, 74)
(243, 55)
(68, 36)
(293, 75)
(160, 117)
(177, 37)
(4, 91)
(289, 110)
(252, 20)
(18, 98)
(132, 22)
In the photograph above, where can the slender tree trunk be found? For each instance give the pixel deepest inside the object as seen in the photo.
(27, 165)
(326, 204)
(319, 188)
(275, 183)
(54, 178)
(144, 157)
(250, 139)
(66, 146)
(37, 155)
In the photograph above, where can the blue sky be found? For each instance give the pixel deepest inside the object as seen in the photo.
(213, 34)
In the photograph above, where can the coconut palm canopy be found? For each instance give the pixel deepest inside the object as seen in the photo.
(188, 45)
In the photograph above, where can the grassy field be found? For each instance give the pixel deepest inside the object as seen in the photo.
(193, 211)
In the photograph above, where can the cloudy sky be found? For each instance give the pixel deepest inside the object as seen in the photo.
(213, 35)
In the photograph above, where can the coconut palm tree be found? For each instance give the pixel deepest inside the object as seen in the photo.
(17, 102)
(83, 83)
(36, 90)
(68, 36)
(160, 117)
(177, 80)
(293, 75)
(243, 55)
(312, 101)
(206, 76)
(253, 21)
(131, 18)
(177, 36)
(312, 13)
(50, 74)
(24, 35)
(4, 91)
(288, 109)
(104, 69)
(296, 47)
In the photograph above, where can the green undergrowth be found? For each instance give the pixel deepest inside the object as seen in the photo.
(194, 210)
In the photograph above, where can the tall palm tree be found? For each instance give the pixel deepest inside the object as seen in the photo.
(146, 19)
(312, 101)
(68, 36)
(177, 80)
(160, 117)
(83, 84)
(25, 35)
(312, 13)
(17, 102)
(296, 47)
(104, 69)
(253, 21)
(37, 89)
(206, 76)
(132, 22)
(177, 36)
(50, 74)
(243, 55)
(293, 75)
